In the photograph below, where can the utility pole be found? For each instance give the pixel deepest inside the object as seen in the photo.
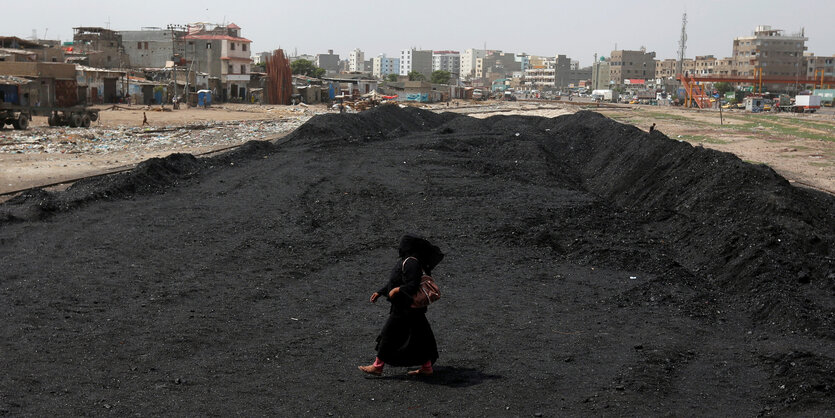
(682, 44)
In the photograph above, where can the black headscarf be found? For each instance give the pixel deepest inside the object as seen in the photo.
(412, 245)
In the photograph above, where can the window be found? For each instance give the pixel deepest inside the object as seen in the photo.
(230, 69)
(232, 46)
(139, 45)
(243, 69)
(243, 47)
(146, 45)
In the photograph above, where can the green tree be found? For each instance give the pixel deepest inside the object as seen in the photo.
(416, 76)
(723, 87)
(440, 77)
(391, 77)
(305, 67)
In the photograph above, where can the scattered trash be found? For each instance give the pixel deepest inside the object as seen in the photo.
(51, 140)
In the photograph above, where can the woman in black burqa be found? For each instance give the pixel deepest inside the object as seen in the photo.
(406, 338)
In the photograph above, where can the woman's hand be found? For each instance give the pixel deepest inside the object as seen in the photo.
(374, 297)
(393, 292)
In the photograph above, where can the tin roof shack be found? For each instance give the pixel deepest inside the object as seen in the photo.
(14, 91)
(411, 91)
(54, 84)
(101, 47)
(43, 51)
(354, 85)
(17, 55)
(308, 89)
(100, 85)
(146, 92)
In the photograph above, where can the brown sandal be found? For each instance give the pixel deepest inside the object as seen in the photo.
(371, 370)
(420, 372)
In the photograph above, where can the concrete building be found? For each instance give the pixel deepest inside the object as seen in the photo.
(383, 66)
(98, 47)
(449, 61)
(153, 47)
(17, 49)
(600, 74)
(771, 51)
(540, 77)
(817, 65)
(704, 65)
(356, 61)
(306, 57)
(261, 57)
(627, 65)
(329, 62)
(224, 55)
(562, 71)
(667, 68)
(579, 77)
(416, 60)
(497, 65)
(725, 67)
(468, 62)
(524, 61)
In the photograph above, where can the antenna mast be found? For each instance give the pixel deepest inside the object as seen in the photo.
(682, 44)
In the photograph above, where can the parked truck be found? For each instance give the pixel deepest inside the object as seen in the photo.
(803, 103)
(606, 95)
(807, 103)
(42, 89)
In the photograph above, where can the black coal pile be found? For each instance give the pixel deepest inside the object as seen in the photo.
(592, 268)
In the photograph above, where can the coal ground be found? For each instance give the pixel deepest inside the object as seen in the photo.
(591, 269)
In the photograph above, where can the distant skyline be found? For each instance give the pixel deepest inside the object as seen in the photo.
(578, 30)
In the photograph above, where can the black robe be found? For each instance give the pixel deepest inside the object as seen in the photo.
(406, 338)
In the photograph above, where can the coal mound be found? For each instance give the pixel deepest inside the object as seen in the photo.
(590, 268)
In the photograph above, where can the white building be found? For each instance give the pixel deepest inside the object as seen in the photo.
(416, 60)
(383, 66)
(468, 62)
(449, 61)
(356, 61)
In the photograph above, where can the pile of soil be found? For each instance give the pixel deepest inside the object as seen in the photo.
(591, 268)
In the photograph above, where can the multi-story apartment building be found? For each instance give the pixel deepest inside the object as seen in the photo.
(668, 68)
(817, 65)
(383, 66)
(540, 77)
(468, 62)
(329, 62)
(770, 51)
(704, 65)
(562, 71)
(449, 61)
(416, 60)
(497, 65)
(625, 65)
(600, 74)
(356, 61)
(223, 54)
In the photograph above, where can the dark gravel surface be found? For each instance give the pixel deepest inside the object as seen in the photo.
(591, 269)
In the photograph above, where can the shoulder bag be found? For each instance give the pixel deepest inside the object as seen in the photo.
(428, 291)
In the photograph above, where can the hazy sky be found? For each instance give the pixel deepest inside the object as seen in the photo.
(537, 27)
